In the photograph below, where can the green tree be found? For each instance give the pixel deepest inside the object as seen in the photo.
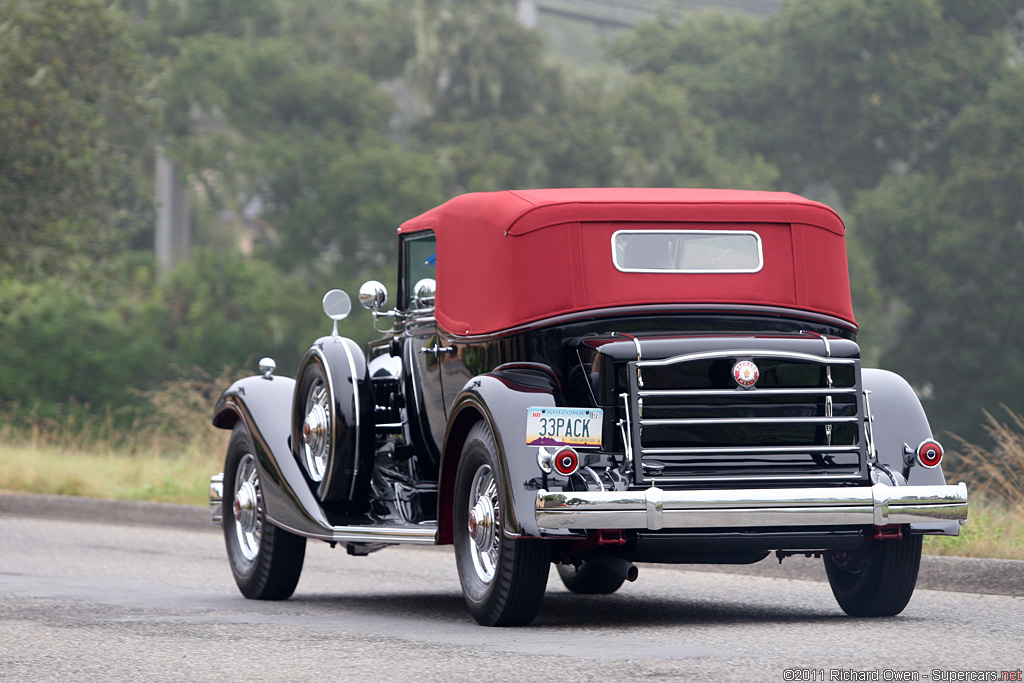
(949, 243)
(75, 127)
(62, 341)
(472, 59)
(841, 91)
(309, 140)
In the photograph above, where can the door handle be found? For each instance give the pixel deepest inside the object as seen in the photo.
(437, 350)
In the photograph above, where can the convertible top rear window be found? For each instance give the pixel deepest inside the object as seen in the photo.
(687, 251)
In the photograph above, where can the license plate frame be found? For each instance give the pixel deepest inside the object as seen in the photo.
(552, 426)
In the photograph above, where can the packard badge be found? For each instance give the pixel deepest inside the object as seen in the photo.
(745, 373)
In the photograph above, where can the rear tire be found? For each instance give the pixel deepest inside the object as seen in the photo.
(503, 579)
(590, 578)
(878, 580)
(266, 561)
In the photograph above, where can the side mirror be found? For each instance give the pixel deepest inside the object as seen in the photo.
(373, 295)
(423, 292)
(337, 306)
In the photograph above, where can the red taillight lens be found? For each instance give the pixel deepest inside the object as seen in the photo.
(929, 453)
(566, 461)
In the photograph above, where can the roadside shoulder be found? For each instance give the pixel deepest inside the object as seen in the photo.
(128, 512)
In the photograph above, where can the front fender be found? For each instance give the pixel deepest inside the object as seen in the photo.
(264, 407)
(900, 419)
(500, 400)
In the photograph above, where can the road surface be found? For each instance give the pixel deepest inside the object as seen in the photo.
(94, 601)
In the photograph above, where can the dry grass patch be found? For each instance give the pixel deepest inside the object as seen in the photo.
(995, 480)
(179, 479)
(991, 531)
(167, 454)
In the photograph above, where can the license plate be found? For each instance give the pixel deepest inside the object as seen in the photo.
(579, 427)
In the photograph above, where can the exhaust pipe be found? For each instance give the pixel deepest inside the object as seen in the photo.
(617, 565)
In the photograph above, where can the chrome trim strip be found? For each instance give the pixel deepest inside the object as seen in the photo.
(750, 449)
(851, 475)
(409, 534)
(745, 393)
(627, 434)
(370, 534)
(757, 353)
(654, 508)
(654, 422)
(355, 403)
(828, 346)
(869, 432)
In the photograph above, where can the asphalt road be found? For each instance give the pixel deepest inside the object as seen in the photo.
(89, 600)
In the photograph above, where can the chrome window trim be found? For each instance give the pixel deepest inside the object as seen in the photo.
(689, 271)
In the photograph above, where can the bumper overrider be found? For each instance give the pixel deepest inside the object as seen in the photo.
(655, 508)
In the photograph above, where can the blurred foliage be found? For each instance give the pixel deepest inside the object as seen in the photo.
(76, 126)
(907, 116)
(64, 343)
(308, 130)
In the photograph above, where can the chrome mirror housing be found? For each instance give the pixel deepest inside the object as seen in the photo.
(423, 292)
(373, 295)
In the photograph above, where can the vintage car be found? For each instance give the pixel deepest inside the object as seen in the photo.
(593, 378)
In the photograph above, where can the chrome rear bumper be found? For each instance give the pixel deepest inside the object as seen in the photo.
(655, 508)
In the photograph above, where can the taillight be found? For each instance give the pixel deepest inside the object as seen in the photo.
(566, 461)
(929, 453)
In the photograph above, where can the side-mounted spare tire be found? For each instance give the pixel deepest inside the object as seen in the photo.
(332, 421)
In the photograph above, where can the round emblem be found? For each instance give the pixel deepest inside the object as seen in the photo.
(745, 373)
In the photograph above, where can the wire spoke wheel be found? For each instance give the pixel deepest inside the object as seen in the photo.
(266, 561)
(247, 508)
(316, 430)
(503, 578)
(484, 523)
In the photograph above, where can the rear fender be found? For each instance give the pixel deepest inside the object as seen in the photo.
(900, 419)
(499, 398)
(264, 406)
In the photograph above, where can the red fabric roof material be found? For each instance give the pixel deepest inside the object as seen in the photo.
(513, 257)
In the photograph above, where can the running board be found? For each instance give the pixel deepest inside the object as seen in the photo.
(413, 534)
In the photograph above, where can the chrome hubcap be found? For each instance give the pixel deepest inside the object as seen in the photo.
(481, 523)
(484, 523)
(248, 508)
(316, 431)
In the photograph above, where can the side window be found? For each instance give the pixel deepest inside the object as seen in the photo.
(420, 257)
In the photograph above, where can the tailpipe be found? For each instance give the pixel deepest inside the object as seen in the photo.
(617, 565)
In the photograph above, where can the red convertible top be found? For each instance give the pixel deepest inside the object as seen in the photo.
(514, 257)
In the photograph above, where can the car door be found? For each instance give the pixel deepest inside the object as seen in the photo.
(422, 351)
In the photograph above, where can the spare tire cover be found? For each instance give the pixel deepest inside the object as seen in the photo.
(349, 449)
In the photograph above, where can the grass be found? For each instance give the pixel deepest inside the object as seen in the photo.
(181, 478)
(995, 481)
(169, 455)
(991, 531)
(165, 452)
